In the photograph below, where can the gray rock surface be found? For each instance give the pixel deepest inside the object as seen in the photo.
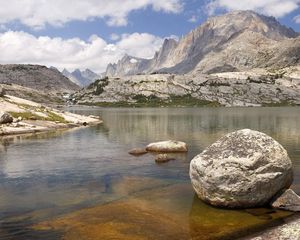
(5, 118)
(288, 200)
(289, 230)
(247, 91)
(167, 146)
(243, 169)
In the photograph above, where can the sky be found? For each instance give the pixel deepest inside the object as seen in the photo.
(93, 33)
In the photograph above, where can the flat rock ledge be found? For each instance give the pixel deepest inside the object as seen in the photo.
(169, 146)
(243, 169)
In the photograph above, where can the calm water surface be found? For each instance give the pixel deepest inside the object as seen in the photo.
(82, 184)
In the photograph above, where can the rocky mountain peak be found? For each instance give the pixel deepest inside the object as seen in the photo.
(249, 21)
(219, 36)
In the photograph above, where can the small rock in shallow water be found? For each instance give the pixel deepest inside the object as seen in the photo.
(243, 169)
(167, 146)
(137, 151)
(162, 158)
(5, 118)
(289, 201)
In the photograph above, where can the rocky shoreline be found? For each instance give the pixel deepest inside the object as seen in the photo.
(20, 116)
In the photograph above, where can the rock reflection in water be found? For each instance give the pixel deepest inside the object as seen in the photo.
(159, 212)
(209, 223)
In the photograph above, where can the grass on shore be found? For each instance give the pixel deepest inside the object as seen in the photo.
(154, 101)
(53, 117)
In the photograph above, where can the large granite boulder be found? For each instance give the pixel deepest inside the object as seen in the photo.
(243, 169)
(5, 118)
(167, 146)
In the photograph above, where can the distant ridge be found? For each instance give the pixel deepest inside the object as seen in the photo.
(36, 77)
(81, 78)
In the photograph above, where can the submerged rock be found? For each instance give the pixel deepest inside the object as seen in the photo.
(5, 118)
(162, 158)
(288, 200)
(137, 151)
(243, 169)
(167, 146)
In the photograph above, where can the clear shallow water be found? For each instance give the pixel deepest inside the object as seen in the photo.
(82, 184)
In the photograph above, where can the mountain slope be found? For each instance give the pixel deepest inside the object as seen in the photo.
(36, 77)
(81, 78)
(218, 34)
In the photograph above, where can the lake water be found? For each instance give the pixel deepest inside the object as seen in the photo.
(82, 183)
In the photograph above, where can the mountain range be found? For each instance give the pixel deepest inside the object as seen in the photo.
(237, 41)
(81, 78)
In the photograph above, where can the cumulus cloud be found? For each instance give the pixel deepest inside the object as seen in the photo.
(96, 53)
(37, 13)
(114, 37)
(276, 8)
(297, 19)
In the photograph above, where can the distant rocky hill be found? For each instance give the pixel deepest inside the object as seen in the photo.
(41, 78)
(81, 78)
(237, 41)
(258, 87)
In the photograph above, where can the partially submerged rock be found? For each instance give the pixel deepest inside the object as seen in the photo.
(167, 146)
(5, 118)
(162, 158)
(241, 170)
(137, 151)
(288, 200)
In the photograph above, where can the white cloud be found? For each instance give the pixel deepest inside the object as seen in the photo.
(37, 13)
(21, 47)
(114, 37)
(276, 8)
(297, 19)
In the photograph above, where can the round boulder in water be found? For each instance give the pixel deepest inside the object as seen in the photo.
(243, 169)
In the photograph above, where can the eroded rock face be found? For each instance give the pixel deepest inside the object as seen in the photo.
(243, 169)
(289, 200)
(5, 118)
(167, 146)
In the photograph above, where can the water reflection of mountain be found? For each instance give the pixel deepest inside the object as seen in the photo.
(200, 125)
